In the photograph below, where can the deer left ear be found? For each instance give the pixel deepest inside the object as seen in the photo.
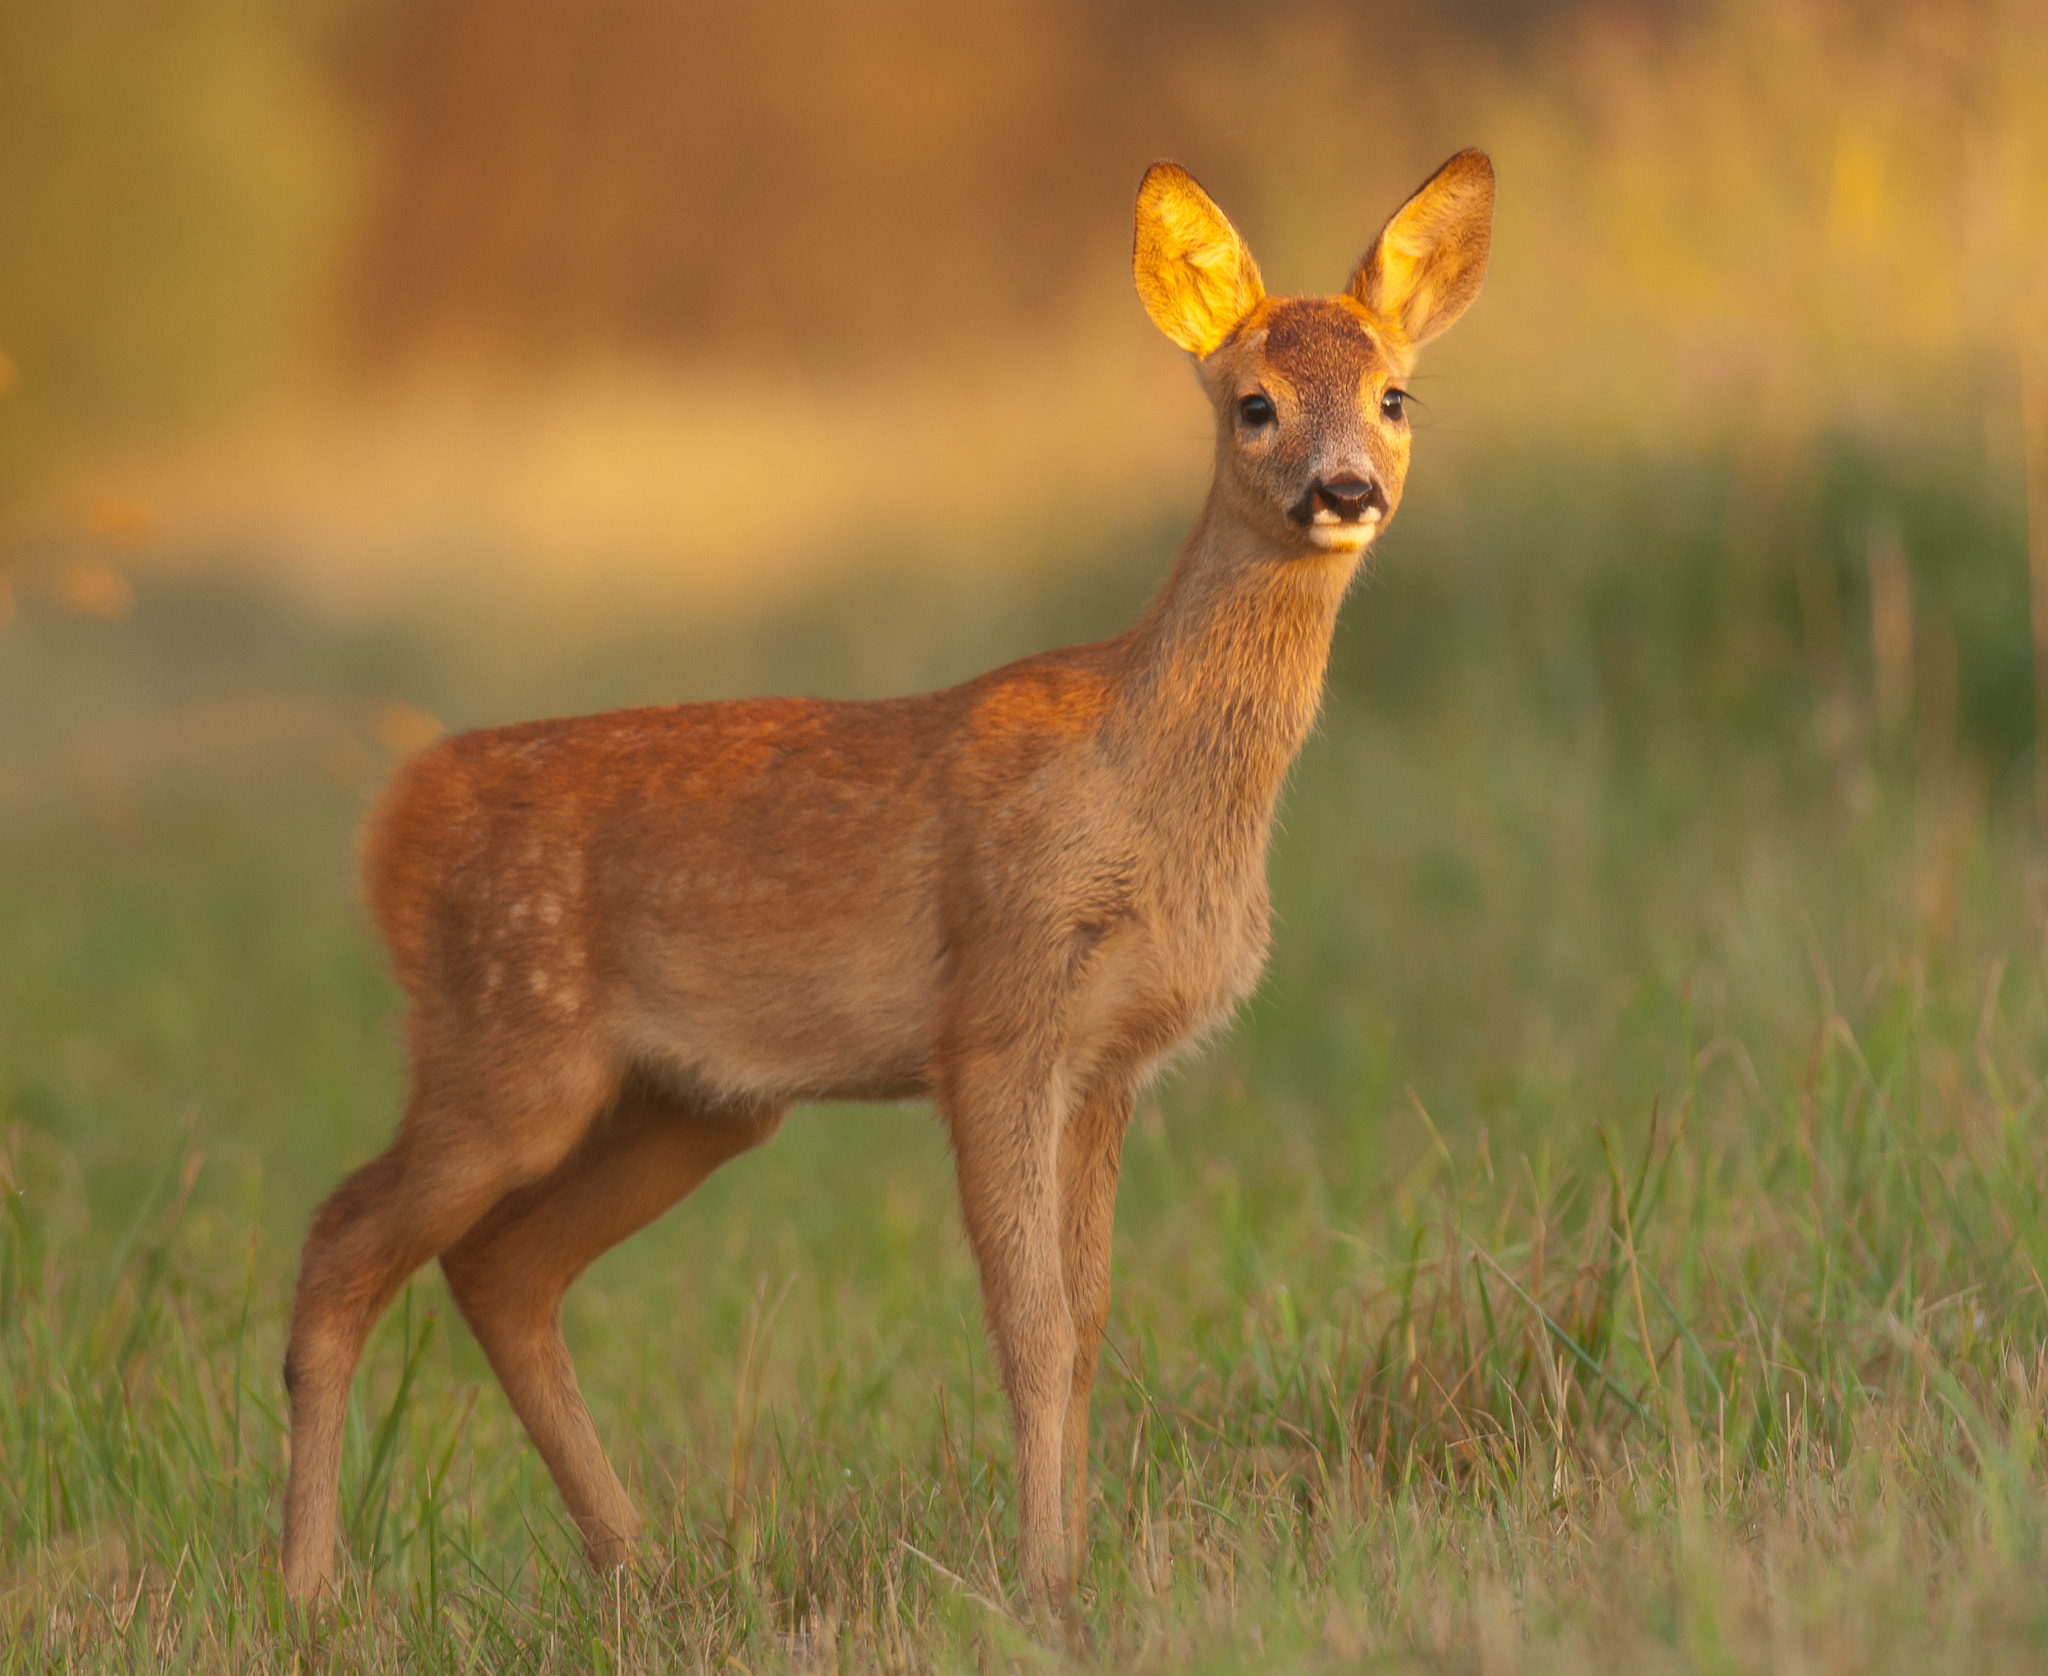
(1195, 276)
(1426, 266)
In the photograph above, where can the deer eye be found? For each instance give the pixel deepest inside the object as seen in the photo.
(1393, 406)
(1255, 410)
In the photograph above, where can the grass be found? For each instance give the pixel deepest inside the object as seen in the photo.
(1612, 1239)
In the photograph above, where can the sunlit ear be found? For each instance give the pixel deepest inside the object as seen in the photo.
(1427, 264)
(1195, 276)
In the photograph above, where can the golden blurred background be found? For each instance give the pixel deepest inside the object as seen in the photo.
(634, 300)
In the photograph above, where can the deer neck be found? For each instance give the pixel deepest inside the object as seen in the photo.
(1224, 677)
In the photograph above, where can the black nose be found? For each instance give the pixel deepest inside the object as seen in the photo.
(1349, 497)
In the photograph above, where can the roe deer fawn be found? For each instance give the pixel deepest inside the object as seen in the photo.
(633, 940)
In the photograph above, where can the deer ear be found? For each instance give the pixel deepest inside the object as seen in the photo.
(1427, 264)
(1195, 276)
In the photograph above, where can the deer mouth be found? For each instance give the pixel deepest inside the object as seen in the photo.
(1336, 529)
(1331, 534)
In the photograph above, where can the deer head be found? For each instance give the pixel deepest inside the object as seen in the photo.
(1311, 417)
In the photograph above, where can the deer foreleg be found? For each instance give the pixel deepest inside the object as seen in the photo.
(1091, 1156)
(1006, 1129)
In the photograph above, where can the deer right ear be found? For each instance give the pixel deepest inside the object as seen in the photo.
(1426, 266)
(1195, 276)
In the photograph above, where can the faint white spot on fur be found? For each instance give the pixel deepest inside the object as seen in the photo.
(494, 974)
(520, 910)
(537, 981)
(533, 853)
(550, 911)
(569, 1000)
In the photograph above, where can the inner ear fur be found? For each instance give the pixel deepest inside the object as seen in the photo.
(1195, 276)
(1426, 266)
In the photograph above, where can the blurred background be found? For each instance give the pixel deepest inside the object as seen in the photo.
(373, 366)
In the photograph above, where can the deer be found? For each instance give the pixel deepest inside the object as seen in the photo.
(632, 941)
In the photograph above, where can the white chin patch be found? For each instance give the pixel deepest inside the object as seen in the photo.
(1333, 535)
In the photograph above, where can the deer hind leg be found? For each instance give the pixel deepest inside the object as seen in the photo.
(453, 1159)
(1005, 1142)
(509, 1273)
(1091, 1157)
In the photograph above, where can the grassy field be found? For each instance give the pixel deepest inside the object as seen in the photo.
(1611, 1240)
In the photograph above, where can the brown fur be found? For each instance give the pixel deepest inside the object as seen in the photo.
(633, 940)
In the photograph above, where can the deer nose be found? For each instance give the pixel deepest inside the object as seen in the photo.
(1350, 497)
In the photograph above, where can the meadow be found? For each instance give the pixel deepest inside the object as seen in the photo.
(1611, 1239)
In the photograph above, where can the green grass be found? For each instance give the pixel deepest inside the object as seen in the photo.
(1611, 1240)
